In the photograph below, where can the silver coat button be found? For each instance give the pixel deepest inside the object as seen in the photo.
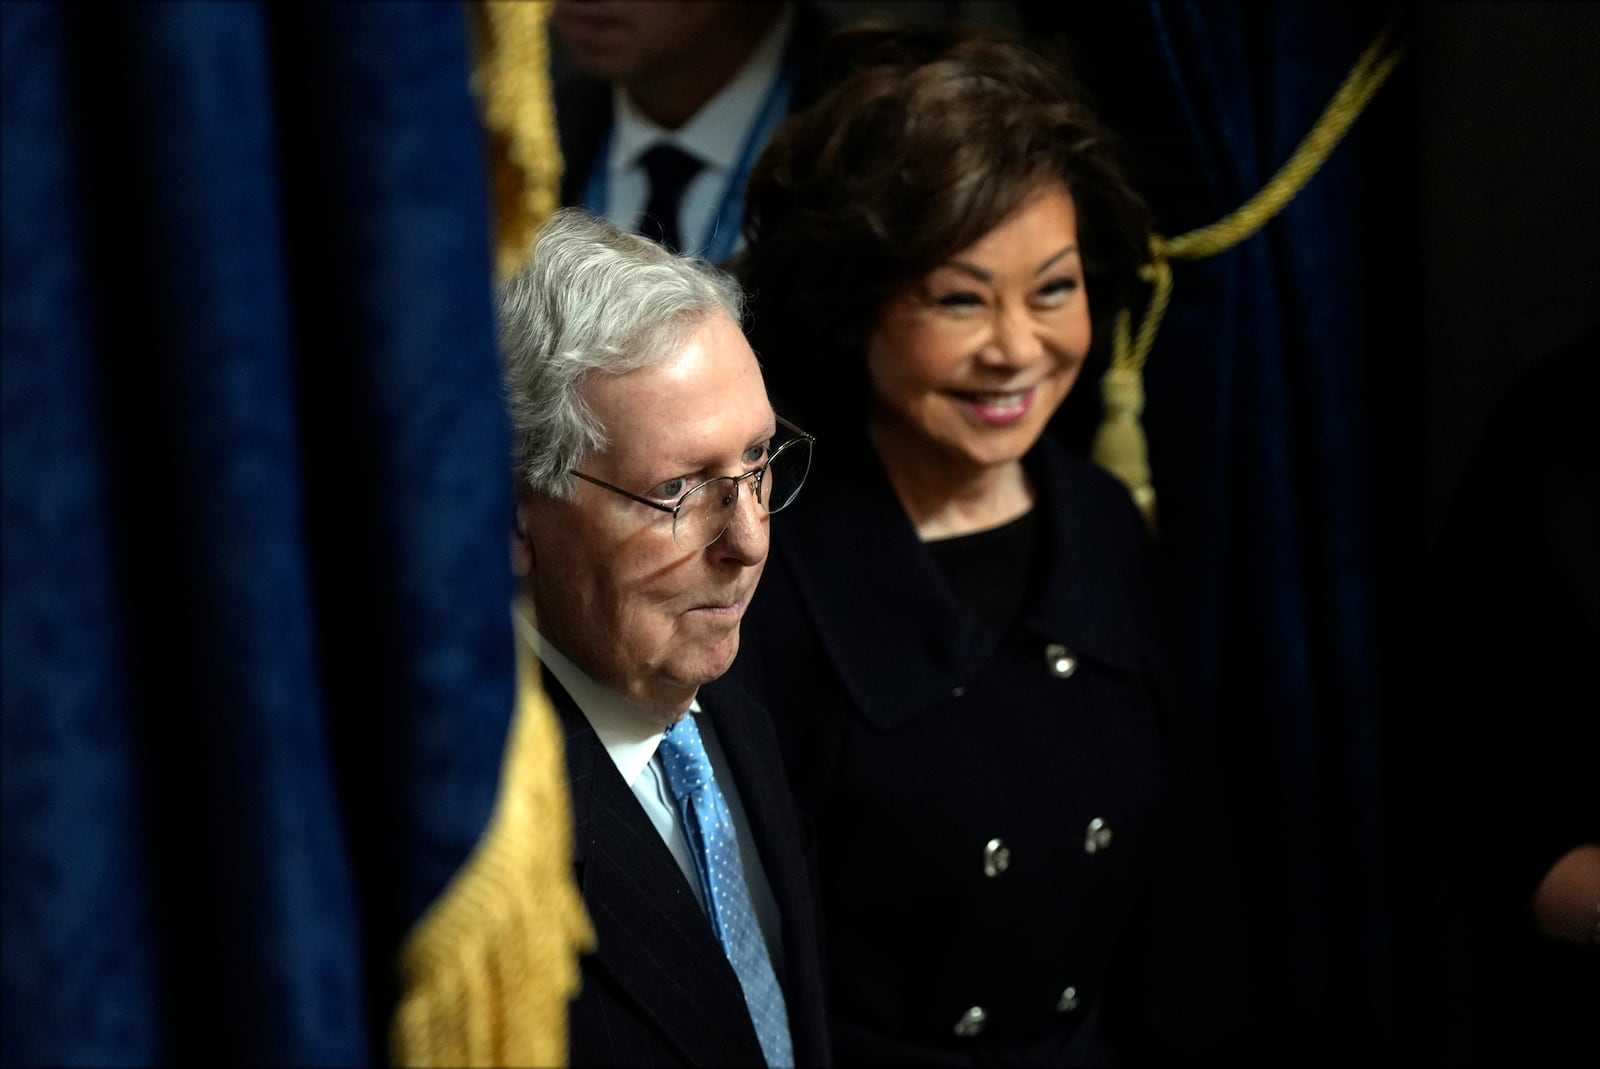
(971, 1022)
(1061, 661)
(1068, 1001)
(996, 857)
(1097, 836)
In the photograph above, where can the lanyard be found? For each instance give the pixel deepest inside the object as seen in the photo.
(723, 233)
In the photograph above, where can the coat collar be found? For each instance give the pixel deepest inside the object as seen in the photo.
(899, 636)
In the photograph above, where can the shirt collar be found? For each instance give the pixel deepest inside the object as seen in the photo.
(629, 737)
(716, 133)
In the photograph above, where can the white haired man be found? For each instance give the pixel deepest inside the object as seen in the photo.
(648, 462)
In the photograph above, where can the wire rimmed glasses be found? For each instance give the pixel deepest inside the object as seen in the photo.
(701, 515)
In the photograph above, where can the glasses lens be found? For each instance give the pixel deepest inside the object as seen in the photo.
(785, 474)
(704, 513)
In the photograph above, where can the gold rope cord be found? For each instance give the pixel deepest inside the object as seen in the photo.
(1120, 444)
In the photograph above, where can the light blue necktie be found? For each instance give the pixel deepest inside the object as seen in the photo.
(709, 828)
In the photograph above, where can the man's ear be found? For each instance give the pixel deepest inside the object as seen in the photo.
(522, 538)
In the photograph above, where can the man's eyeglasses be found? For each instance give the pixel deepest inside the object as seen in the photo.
(702, 514)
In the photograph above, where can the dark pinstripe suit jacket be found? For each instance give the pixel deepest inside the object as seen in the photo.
(658, 989)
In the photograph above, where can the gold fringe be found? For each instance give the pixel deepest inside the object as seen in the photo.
(488, 972)
(512, 79)
(1120, 444)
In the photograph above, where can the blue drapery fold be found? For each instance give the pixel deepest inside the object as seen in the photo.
(257, 669)
(1283, 390)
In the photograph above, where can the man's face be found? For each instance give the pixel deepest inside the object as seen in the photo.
(611, 589)
(631, 40)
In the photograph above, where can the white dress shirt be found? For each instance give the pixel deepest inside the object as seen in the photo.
(716, 135)
(631, 739)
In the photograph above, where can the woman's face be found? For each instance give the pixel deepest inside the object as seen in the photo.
(972, 363)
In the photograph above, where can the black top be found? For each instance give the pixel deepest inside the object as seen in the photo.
(991, 570)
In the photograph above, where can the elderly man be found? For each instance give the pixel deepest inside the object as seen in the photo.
(648, 461)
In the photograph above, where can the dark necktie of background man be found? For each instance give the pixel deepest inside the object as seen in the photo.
(670, 169)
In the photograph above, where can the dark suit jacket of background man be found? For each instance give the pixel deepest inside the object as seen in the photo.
(583, 103)
(658, 989)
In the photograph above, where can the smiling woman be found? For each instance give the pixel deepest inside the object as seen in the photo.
(966, 369)
(930, 248)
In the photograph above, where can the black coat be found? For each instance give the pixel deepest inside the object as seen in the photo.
(658, 989)
(955, 773)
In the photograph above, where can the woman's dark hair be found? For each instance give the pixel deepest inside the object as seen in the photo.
(923, 141)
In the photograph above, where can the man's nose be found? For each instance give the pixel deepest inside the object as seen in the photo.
(745, 538)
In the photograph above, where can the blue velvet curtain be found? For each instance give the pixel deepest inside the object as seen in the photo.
(256, 672)
(257, 666)
(1284, 417)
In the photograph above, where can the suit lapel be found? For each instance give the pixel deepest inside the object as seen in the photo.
(583, 126)
(747, 760)
(751, 749)
(892, 672)
(651, 937)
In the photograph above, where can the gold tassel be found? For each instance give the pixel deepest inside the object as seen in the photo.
(488, 972)
(1119, 444)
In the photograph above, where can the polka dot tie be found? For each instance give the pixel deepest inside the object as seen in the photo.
(709, 828)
